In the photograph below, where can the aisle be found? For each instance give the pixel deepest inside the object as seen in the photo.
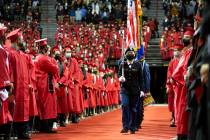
(108, 126)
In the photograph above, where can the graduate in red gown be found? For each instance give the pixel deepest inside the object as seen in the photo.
(81, 79)
(73, 99)
(19, 65)
(33, 91)
(62, 85)
(69, 81)
(5, 86)
(47, 72)
(169, 86)
(178, 77)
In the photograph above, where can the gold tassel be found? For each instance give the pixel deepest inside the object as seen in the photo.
(148, 100)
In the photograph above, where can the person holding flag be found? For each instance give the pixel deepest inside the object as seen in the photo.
(131, 80)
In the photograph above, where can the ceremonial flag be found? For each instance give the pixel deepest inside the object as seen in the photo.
(132, 27)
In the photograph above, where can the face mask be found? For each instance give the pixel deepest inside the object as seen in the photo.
(186, 42)
(68, 55)
(57, 56)
(14, 46)
(95, 71)
(130, 57)
(22, 46)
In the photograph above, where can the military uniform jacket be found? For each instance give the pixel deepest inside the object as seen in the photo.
(133, 78)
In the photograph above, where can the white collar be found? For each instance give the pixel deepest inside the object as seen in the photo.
(130, 62)
(1, 46)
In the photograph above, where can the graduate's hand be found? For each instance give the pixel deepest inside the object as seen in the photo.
(11, 86)
(57, 85)
(66, 61)
(141, 94)
(204, 73)
(11, 98)
(167, 90)
(171, 81)
(146, 94)
(122, 79)
(30, 86)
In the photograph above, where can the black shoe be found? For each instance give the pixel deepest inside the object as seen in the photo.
(172, 125)
(51, 131)
(139, 127)
(62, 124)
(132, 132)
(136, 129)
(77, 120)
(182, 137)
(124, 131)
(24, 136)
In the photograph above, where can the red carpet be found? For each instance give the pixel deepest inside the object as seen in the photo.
(108, 126)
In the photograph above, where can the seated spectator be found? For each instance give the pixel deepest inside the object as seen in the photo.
(72, 15)
(78, 15)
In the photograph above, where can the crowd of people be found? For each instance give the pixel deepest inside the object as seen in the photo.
(22, 10)
(99, 42)
(41, 86)
(187, 77)
(179, 16)
(92, 42)
(91, 10)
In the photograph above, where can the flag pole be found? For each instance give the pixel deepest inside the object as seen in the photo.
(123, 50)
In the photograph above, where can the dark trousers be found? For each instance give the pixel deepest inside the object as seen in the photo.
(129, 103)
(21, 128)
(61, 118)
(140, 111)
(46, 125)
(5, 129)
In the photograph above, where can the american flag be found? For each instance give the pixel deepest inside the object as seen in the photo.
(132, 27)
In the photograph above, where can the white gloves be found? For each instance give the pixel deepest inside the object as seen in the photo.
(142, 94)
(4, 94)
(171, 81)
(122, 79)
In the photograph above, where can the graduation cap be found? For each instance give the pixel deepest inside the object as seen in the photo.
(198, 18)
(129, 49)
(42, 42)
(56, 49)
(13, 35)
(189, 33)
(68, 48)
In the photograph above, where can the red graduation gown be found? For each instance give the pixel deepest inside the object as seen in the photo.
(97, 91)
(181, 91)
(116, 91)
(91, 94)
(61, 92)
(88, 86)
(19, 65)
(102, 91)
(81, 77)
(46, 101)
(70, 86)
(109, 89)
(76, 92)
(5, 115)
(171, 67)
(33, 91)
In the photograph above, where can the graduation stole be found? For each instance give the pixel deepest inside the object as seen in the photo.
(50, 83)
